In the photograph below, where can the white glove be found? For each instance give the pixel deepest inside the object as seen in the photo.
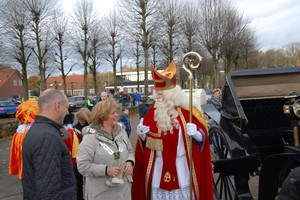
(142, 130)
(192, 131)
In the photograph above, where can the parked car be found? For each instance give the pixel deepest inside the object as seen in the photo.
(8, 107)
(36, 98)
(11, 99)
(33, 98)
(76, 102)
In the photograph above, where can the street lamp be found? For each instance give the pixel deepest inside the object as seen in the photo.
(121, 73)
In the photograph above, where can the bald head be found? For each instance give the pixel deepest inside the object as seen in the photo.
(54, 105)
(49, 97)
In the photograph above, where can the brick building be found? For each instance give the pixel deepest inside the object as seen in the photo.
(11, 84)
(74, 84)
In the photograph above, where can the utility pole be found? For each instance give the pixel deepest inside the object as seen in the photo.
(121, 68)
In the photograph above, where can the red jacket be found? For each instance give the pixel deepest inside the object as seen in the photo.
(145, 158)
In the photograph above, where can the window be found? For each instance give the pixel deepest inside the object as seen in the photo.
(20, 82)
(15, 83)
(17, 96)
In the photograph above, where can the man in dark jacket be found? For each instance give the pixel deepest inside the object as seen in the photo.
(144, 107)
(47, 165)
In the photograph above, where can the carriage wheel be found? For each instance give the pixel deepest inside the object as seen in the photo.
(224, 187)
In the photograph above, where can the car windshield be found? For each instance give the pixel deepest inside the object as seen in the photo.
(71, 99)
(7, 103)
(5, 99)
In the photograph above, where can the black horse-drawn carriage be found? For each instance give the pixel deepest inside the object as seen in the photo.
(256, 131)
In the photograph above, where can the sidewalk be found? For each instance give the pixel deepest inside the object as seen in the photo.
(11, 186)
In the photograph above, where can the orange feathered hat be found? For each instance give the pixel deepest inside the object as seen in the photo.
(27, 111)
(165, 80)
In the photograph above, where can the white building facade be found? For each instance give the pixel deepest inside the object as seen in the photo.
(128, 81)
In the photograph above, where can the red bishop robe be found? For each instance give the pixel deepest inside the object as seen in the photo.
(145, 157)
(72, 143)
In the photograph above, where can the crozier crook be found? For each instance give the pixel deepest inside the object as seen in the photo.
(188, 69)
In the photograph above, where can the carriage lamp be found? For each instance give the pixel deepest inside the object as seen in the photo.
(296, 108)
(292, 109)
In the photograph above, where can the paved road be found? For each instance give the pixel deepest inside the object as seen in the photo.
(11, 187)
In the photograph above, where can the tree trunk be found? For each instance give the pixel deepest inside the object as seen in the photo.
(146, 51)
(95, 81)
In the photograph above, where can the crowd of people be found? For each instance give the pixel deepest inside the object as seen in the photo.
(127, 100)
(89, 155)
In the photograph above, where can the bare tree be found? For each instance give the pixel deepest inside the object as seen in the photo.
(247, 46)
(84, 20)
(61, 53)
(156, 56)
(212, 30)
(189, 41)
(190, 27)
(113, 35)
(137, 55)
(16, 32)
(154, 52)
(96, 38)
(40, 12)
(236, 35)
(139, 15)
(169, 14)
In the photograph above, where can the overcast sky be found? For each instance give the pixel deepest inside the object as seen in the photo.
(277, 22)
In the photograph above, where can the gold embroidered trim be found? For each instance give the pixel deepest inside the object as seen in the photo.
(198, 115)
(150, 163)
(154, 143)
(187, 139)
(158, 135)
(167, 87)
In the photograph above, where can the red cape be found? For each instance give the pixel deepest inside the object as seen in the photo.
(145, 158)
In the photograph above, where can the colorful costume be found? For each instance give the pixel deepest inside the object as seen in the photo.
(26, 114)
(72, 142)
(162, 167)
(145, 156)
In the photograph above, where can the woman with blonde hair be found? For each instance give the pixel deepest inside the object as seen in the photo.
(105, 155)
(83, 117)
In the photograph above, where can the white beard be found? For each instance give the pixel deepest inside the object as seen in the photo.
(166, 115)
